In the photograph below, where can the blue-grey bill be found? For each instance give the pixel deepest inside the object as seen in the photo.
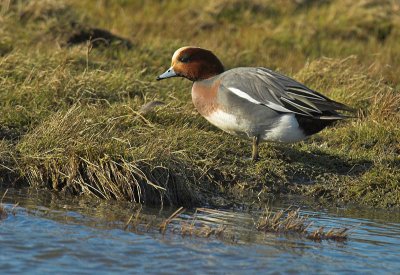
(169, 73)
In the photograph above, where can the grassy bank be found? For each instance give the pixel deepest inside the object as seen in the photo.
(71, 114)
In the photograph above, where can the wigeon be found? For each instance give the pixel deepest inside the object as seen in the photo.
(255, 103)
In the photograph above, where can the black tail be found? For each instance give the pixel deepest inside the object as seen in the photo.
(313, 125)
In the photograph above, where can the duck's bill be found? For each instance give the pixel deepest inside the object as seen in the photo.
(169, 73)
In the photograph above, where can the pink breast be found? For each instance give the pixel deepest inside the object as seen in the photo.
(204, 97)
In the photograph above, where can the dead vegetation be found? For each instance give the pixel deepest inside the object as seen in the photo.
(283, 222)
(335, 234)
(291, 221)
(207, 223)
(177, 226)
(4, 213)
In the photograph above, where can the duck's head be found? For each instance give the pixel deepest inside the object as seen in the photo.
(194, 64)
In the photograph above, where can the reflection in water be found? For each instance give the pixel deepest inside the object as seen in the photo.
(55, 233)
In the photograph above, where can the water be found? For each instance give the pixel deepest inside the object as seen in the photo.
(51, 233)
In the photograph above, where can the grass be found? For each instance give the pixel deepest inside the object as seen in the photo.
(71, 116)
(4, 213)
(197, 224)
(194, 227)
(292, 222)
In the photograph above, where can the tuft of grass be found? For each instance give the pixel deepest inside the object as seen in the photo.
(4, 213)
(335, 234)
(207, 223)
(192, 227)
(185, 228)
(283, 222)
(291, 221)
(164, 225)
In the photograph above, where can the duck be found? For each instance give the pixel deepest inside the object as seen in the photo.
(255, 103)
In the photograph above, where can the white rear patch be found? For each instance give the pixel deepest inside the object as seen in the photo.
(286, 130)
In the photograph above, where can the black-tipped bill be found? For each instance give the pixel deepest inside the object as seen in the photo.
(169, 73)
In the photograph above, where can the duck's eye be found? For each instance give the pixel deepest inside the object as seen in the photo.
(184, 59)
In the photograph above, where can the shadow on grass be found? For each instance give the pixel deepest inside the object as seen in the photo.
(10, 133)
(308, 166)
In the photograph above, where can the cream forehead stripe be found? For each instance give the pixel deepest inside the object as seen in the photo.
(178, 51)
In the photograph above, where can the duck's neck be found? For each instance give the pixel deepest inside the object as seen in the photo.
(211, 70)
(208, 67)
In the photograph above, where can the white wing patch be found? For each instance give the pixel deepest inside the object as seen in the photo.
(242, 94)
(269, 104)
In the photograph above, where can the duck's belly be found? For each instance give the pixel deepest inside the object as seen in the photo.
(285, 128)
(229, 123)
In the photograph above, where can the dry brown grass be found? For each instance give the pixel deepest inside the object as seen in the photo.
(335, 234)
(283, 221)
(291, 221)
(174, 224)
(197, 224)
(3, 212)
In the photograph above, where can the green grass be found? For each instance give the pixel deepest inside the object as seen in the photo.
(70, 116)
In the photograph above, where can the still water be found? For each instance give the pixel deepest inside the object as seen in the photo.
(51, 233)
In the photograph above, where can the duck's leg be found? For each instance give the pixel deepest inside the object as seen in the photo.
(254, 155)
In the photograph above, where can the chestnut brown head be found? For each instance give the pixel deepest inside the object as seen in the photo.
(194, 64)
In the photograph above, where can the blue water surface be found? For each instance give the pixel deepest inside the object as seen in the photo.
(51, 234)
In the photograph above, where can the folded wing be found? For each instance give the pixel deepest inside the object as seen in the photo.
(281, 93)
